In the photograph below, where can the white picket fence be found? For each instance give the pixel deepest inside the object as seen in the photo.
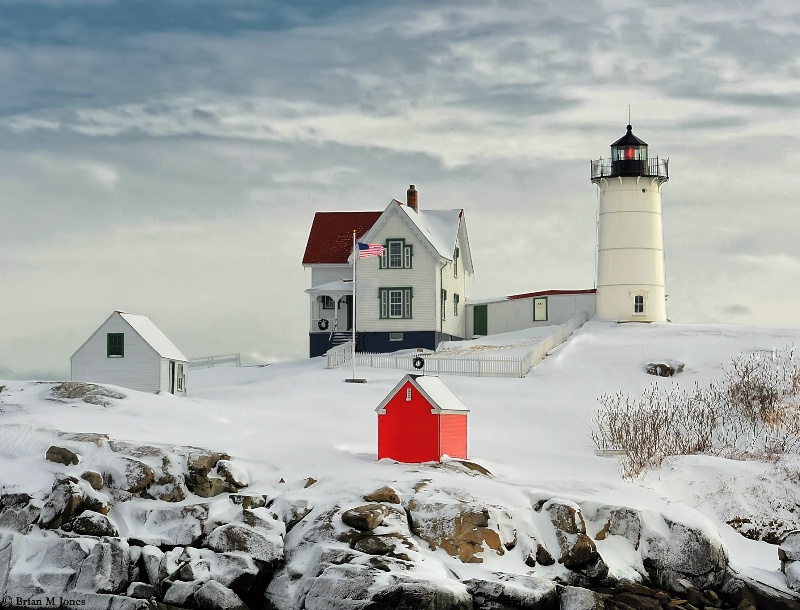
(212, 361)
(436, 364)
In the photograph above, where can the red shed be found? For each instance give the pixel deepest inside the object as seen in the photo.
(421, 420)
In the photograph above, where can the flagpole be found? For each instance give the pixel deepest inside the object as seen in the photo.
(355, 258)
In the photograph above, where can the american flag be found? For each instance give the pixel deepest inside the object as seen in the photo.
(365, 250)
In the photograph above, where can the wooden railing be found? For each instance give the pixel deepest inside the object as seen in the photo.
(212, 361)
(435, 364)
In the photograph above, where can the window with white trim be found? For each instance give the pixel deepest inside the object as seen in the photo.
(408, 394)
(395, 336)
(327, 302)
(179, 378)
(396, 255)
(638, 304)
(395, 302)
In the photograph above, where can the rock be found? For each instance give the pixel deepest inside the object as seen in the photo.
(264, 521)
(512, 591)
(232, 474)
(248, 500)
(62, 455)
(461, 529)
(543, 556)
(640, 602)
(62, 504)
(200, 462)
(677, 551)
(128, 474)
(357, 586)
(577, 598)
(566, 516)
(169, 525)
(291, 510)
(382, 545)
(90, 523)
(141, 590)
(87, 392)
(627, 523)
(792, 572)
(210, 487)
(789, 549)
(663, 369)
(50, 563)
(384, 494)
(95, 479)
(366, 517)
(235, 537)
(17, 513)
(214, 596)
(105, 570)
(179, 593)
(309, 482)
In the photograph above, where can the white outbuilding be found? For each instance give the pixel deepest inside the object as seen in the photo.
(128, 350)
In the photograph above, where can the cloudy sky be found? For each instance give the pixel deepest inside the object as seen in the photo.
(166, 157)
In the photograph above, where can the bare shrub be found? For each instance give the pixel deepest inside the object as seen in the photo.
(754, 411)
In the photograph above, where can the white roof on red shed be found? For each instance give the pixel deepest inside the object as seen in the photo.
(435, 392)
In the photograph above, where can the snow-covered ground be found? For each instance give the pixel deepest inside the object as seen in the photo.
(296, 420)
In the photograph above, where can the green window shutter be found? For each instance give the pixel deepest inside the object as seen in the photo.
(407, 311)
(384, 296)
(385, 255)
(407, 255)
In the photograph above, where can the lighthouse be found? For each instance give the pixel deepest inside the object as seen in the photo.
(630, 235)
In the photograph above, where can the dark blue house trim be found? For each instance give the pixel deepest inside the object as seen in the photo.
(379, 343)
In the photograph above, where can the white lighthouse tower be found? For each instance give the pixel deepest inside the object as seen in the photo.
(630, 235)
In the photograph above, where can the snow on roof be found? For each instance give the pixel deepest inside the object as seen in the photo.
(438, 393)
(153, 336)
(332, 287)
(439, 227)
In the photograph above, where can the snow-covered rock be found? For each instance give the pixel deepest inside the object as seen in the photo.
(105, 570)
(513, 591)
(236, 537)
(215, 596)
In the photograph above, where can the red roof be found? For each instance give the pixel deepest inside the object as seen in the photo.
(331, 236)
(549, 293)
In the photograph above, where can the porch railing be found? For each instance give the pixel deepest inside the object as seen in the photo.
(436, 364)
(212, 361)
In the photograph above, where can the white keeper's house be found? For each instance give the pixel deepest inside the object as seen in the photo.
(412, 296)
(130, 351)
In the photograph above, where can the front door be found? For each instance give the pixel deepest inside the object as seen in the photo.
(171, 376)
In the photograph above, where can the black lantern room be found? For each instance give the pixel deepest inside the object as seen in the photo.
(629, 158)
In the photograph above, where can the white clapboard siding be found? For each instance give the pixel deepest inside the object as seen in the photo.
(422, 277)
(452, 324)
(139, 369)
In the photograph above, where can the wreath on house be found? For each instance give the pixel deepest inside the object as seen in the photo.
(418, 362)
(322, 324)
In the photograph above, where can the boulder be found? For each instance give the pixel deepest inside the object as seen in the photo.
(87, 392)
(578, 550)
(232, 474)
(248, 500)
(214, 596)
(384, 494)
(264, 521)
(676, 551)
(95, 479)
(290, 510)
(236, 537)
(62, 504)
(199, 464)
(623, 522)
(792, 572)
(789, 549)
(17, 513)
(90, 523)
(461, 529)
(169, 525)
(663, 369)
(577, 598)
(179, 593)
(513, 591)
(128, 474)
(366, 517)
(105, 570)
(62, 455)
(141, 590)
(152, 557)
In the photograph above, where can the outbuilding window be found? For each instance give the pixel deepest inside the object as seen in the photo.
(115, 345)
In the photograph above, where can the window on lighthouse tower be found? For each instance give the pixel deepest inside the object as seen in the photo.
(638, 304)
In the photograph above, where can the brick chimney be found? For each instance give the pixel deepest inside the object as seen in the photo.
(411, 197)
